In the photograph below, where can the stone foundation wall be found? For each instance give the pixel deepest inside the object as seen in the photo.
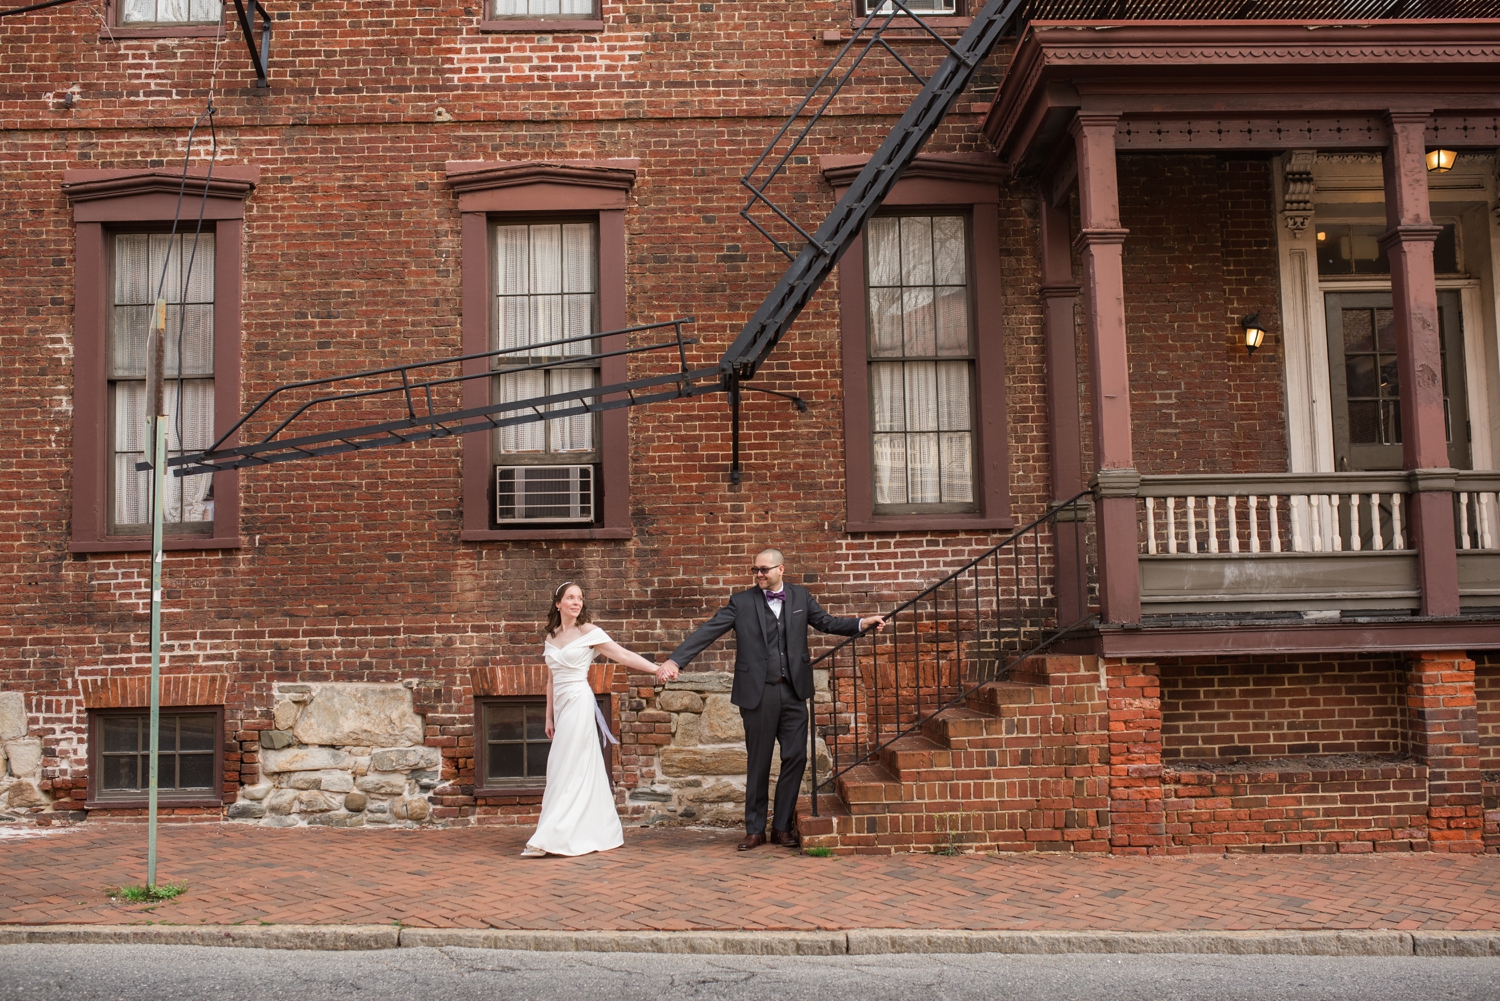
(699, 776)
(342, 755)
(20, 760)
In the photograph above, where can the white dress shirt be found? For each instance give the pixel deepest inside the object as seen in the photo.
(775, 603)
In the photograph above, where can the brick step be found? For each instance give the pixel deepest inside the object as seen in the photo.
(916, 757)
(956, 830)
(1001, 698)
(868, 788)
(962, 728)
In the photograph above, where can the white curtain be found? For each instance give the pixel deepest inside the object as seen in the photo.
(921, 408)
(190, 422)
(171, 11)
(183, 269)
(576, 432)
(547, 290)
(521, 386)
(543, 8)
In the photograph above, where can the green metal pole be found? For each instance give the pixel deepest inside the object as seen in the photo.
(155, 395)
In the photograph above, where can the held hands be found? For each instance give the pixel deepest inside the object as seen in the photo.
(667, 671)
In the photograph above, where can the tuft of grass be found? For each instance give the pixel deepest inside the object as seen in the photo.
(818, 852)
(151, 893)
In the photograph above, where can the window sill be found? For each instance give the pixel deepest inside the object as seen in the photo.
(543, 534)
(178, 31)
(515, 793)
(542, 25)
(929, 523)
(177, 543)
(162, 803)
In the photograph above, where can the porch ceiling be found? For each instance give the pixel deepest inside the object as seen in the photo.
(1207, 86)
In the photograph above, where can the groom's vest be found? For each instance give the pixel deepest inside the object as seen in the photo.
(776, 664)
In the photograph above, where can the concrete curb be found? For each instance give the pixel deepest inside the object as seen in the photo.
(326, 937)
(859, 942)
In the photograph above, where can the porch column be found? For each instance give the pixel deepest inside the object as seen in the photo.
(1424, 438)
(1100, 244)
(1060, 332)
(1442, 725)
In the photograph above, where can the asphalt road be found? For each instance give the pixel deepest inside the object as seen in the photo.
(181, 973)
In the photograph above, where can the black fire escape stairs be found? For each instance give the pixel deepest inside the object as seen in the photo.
(425, 390)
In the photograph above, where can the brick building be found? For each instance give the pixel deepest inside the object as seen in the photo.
(1288, 560)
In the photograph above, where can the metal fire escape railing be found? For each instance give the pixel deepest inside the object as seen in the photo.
(427, 403)
(423, 417)
(1010, 602)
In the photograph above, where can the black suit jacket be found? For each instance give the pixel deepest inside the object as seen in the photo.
(753, 623)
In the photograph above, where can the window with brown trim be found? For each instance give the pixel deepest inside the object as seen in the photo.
(922, 8)
(180, 271)
(542, 15)
(190, 756)
(544, 262)
(546, 308)
(923, 356)
(921, 363)
(155, 13)
(511, 743)
(126, 259)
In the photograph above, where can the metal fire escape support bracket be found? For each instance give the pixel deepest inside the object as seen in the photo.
(823, 249)
(260, 55)
(423, 417)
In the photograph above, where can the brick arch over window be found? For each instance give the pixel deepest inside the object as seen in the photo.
(966, 185)
(490, 191)
(106, 202)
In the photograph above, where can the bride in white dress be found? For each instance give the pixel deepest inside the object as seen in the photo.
(578, 808)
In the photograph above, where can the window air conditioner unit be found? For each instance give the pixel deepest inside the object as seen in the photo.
(544, 493)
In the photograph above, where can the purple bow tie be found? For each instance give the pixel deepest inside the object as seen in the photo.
(775, 595)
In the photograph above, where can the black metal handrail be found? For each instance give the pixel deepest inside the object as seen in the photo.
(1010, 602)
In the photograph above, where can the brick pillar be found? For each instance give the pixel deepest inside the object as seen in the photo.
(1424, 439)
(1442, 725)
(1136, 824)
(1101, 250)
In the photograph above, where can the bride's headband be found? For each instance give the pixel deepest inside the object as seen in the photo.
(561, 588)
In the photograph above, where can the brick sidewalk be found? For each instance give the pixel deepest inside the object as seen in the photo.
(666, 879)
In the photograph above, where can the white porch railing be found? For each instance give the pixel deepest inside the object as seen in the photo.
(1207, 514)
(1476, 510)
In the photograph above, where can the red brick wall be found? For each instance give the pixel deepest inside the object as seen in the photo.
(1244, 708)
(1200, 255)
(1307, 810)
(1487, 695)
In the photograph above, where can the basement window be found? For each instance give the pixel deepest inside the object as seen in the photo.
(168, 13)
(190, 754)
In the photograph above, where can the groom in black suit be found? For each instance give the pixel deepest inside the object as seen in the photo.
(772, 683)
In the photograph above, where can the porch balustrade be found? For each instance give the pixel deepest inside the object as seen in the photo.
(1299, 542)
(1275, 513)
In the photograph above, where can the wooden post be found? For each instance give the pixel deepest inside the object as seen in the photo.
(1424, 439)
(1060, 330)
(1100, 244)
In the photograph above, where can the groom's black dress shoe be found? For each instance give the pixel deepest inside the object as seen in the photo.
(787, 839)
(752, 841)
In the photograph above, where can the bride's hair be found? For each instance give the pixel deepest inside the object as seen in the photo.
(554, 615)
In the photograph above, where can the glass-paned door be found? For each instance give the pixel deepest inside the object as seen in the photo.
(1366, 387)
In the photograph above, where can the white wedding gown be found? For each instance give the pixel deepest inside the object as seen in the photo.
(578, 809)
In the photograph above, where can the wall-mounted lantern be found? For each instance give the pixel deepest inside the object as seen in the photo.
(1254, 332)
(1440, 161)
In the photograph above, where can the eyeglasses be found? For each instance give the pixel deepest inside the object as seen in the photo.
(762, 571)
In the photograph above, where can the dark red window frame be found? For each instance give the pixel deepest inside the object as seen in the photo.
(527, 190)
(941, 184)
(110, 201)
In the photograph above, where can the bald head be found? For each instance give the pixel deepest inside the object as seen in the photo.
(769, 560)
